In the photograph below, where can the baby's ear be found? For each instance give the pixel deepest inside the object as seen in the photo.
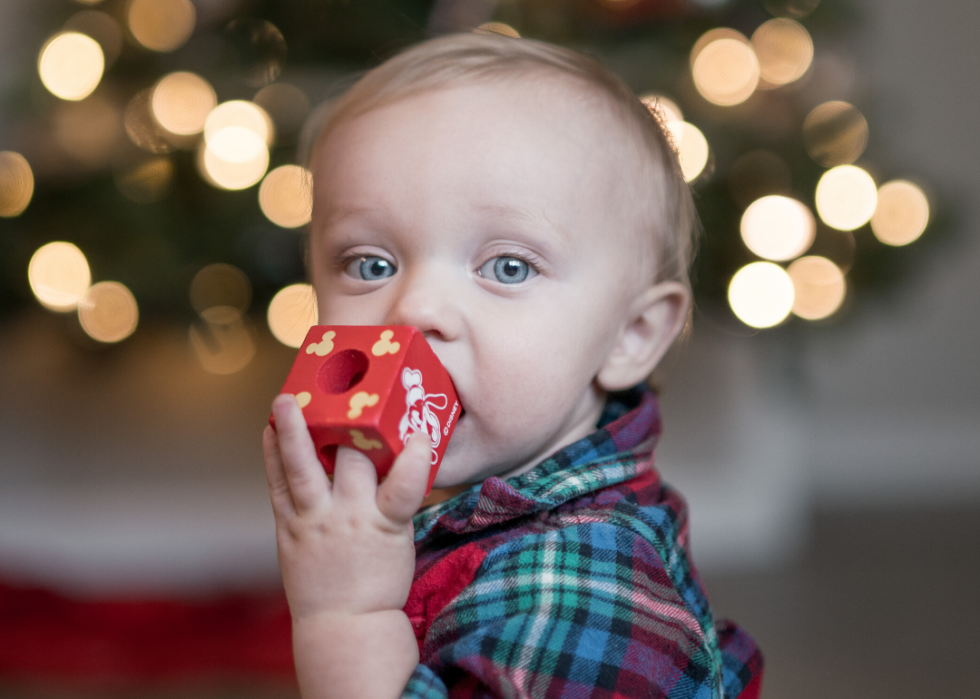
(655, 318)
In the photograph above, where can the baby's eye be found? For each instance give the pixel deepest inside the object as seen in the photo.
(370, 268)
(507, 270)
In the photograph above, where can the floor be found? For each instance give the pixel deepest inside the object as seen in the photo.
(884, 606)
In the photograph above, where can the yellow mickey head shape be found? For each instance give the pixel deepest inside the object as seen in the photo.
(385, 345)
(324, 346)
(363, 443)
(359, 401)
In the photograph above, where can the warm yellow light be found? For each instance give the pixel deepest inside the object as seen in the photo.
(778, 228)
(146, 181)
(161, 25)
(234, 174)
(182, 102)
(292, 312)
(902, 213)
(819, 287)
(16, 184)
(692, 148)
(235, 152)
(59, 276)
(286, 196)
(498, 28)
(237, 114)
(71, 65)
(221, 285)
(761, 294)
(784, 49)
(141, 127)
(835, 133)
(108, 312)
(664, 108)
(846, 197)
(222, 342)
(725, 68)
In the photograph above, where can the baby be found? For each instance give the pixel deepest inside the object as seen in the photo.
(522, 208)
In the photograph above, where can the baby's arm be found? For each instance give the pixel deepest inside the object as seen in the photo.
(347, 557)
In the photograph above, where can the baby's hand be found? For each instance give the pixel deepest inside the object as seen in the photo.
(346, 548)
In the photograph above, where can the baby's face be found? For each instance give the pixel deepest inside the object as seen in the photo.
(491, 220)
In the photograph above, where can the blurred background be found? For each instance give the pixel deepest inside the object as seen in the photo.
(821, 415)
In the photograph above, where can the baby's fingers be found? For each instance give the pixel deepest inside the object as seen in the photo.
(275, 475)
(307, 482)
(401, 494)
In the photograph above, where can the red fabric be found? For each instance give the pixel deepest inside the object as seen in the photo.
(437, 586)
(46, 635)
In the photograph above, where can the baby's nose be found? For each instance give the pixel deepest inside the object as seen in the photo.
(428, 302)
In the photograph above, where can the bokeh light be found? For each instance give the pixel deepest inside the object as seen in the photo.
(498, 28)
(108, 312)
(141, 127)
(234, 153)
(846, 197)
(233, 175)
(147, 180)
(902, 213)
(692, 148)
(835, 133)
(101, 27)
(286, 196)
(16, 184)
(182, 101)
(664, 108)
(287, 106)
(238, 114)
(221, 285)
(761, 294)
(292, 312)
(222, 341)
(724, 67)
(71, 65)
(778, 228)
(784, 50)
(161, 25)
(59, 276)
(818, 285)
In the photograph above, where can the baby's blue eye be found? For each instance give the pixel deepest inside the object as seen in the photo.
(507, 270)
(370, 268)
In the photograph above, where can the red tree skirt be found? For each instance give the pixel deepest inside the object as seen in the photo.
(44, 635)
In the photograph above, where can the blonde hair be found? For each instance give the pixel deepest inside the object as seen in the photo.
(666, 205)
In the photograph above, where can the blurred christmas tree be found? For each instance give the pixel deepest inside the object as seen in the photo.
(155, 146)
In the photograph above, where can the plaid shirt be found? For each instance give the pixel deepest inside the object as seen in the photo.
(572, 580)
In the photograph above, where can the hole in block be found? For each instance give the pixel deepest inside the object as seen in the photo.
(342, 371)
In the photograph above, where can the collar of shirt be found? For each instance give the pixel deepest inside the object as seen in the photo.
(620, 449)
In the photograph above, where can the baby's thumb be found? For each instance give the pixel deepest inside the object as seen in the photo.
(401, 493)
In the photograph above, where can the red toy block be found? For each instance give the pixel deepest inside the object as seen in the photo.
(371, 387)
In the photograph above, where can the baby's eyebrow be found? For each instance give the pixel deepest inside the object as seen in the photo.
(339, 214)
(536, 220)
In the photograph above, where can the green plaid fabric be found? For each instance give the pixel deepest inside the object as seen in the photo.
(572, 580)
